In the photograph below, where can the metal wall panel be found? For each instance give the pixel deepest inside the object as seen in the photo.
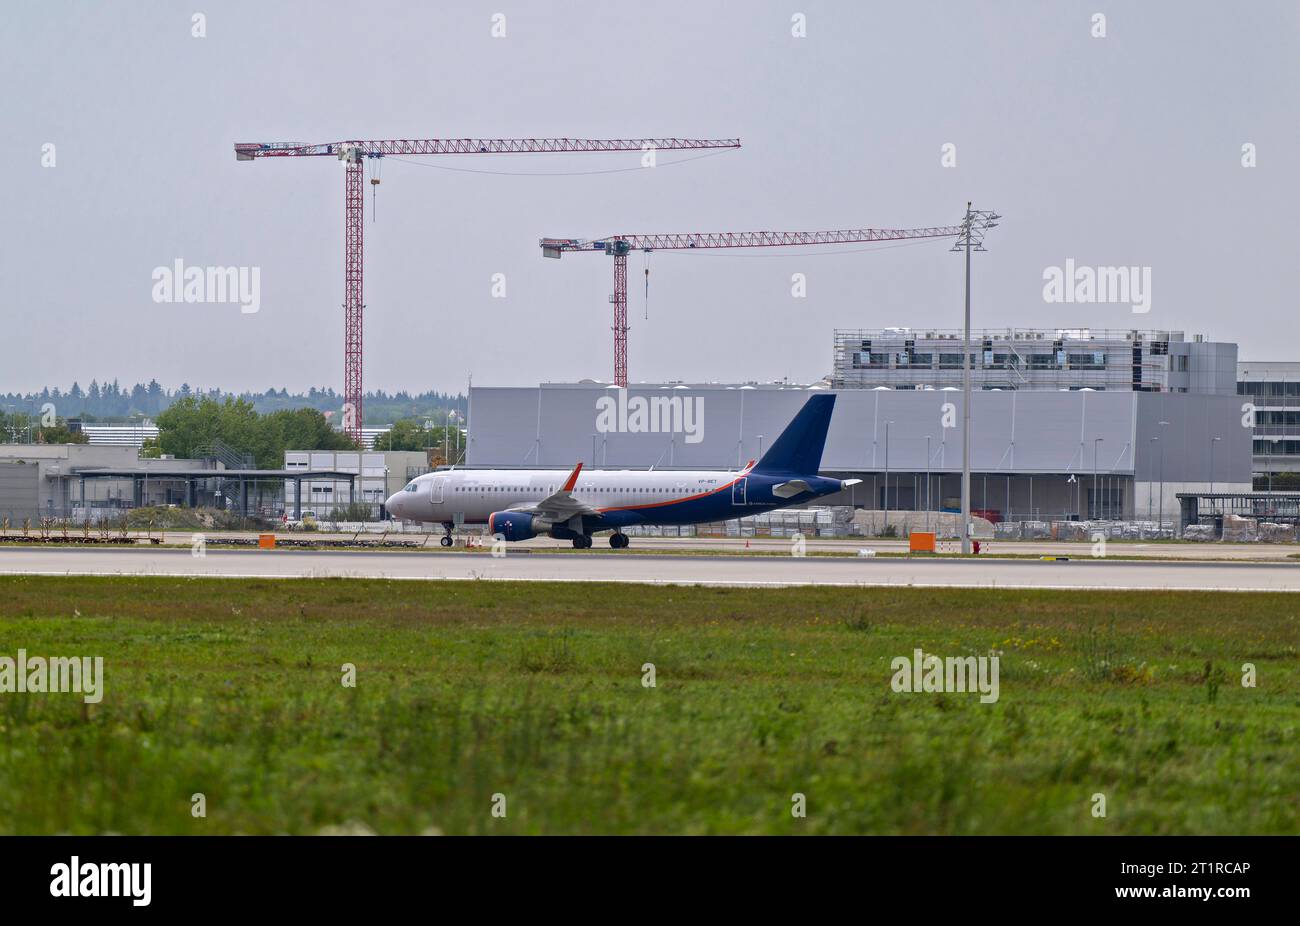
(1194, 422)
(19, 491)
(1012, 432)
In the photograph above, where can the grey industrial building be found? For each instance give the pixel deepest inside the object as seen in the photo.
(1031, 359)
(1273, 389)
(91, 482)
(372, 478)
(62, 480)
(96, 481)
(1110, 425)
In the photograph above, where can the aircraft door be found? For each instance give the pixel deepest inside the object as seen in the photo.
(738, 491)
(435, 490)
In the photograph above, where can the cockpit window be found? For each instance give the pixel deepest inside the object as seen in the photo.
(411, 487)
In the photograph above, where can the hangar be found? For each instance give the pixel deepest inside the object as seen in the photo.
(1035, 454)
(1066, 424)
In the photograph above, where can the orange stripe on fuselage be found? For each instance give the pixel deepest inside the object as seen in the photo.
(677, 501)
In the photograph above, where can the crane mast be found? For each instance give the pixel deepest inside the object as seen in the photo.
(354, 155)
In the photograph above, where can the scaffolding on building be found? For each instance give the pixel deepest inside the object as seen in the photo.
(1010, 358)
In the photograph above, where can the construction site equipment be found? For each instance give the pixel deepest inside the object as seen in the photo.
(619, 246)
(355, 154)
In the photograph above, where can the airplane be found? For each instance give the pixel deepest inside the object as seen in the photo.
(518, 504)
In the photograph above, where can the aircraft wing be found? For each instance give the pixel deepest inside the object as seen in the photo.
(560, 505)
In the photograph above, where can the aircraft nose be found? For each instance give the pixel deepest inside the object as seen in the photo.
(394, 504)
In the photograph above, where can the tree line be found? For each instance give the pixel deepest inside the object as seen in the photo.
(110, 401)
(191, 425)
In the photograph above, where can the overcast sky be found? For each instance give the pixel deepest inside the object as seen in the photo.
(1124, 149)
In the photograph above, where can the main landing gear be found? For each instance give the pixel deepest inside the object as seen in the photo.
(617, 540)
(446, 540)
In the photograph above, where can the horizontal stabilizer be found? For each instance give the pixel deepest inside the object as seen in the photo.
(790, 489)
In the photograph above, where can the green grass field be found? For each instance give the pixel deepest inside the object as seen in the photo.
(233, 689)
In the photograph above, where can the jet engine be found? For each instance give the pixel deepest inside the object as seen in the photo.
(512, 525)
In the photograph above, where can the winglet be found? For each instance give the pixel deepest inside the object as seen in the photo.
(749, 466)
(572, 480)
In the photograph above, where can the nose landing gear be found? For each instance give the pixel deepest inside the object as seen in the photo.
(446, 540)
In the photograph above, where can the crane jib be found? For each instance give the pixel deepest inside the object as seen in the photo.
(352, 151)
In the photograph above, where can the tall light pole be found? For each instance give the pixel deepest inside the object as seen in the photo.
(454, 416)
(1151, 441)
(1268, 464)
(1161, 515)
(1272, 442)
(973, 226)
(927, 483)
(1096, 499)
(1213, 441)
(887, 424)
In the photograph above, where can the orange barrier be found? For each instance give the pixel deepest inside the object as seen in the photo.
(266, 541)
(921, 542)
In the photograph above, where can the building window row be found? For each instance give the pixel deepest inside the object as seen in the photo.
(1269, 388)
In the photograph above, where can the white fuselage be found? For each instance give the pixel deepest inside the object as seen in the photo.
(470, 496)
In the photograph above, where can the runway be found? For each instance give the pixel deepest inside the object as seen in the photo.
(1206, 550)
(734, 570)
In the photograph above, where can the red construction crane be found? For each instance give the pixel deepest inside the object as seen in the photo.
(355, 153)
(619, 246)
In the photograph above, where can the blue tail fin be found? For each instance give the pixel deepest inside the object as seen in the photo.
(799, 448)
